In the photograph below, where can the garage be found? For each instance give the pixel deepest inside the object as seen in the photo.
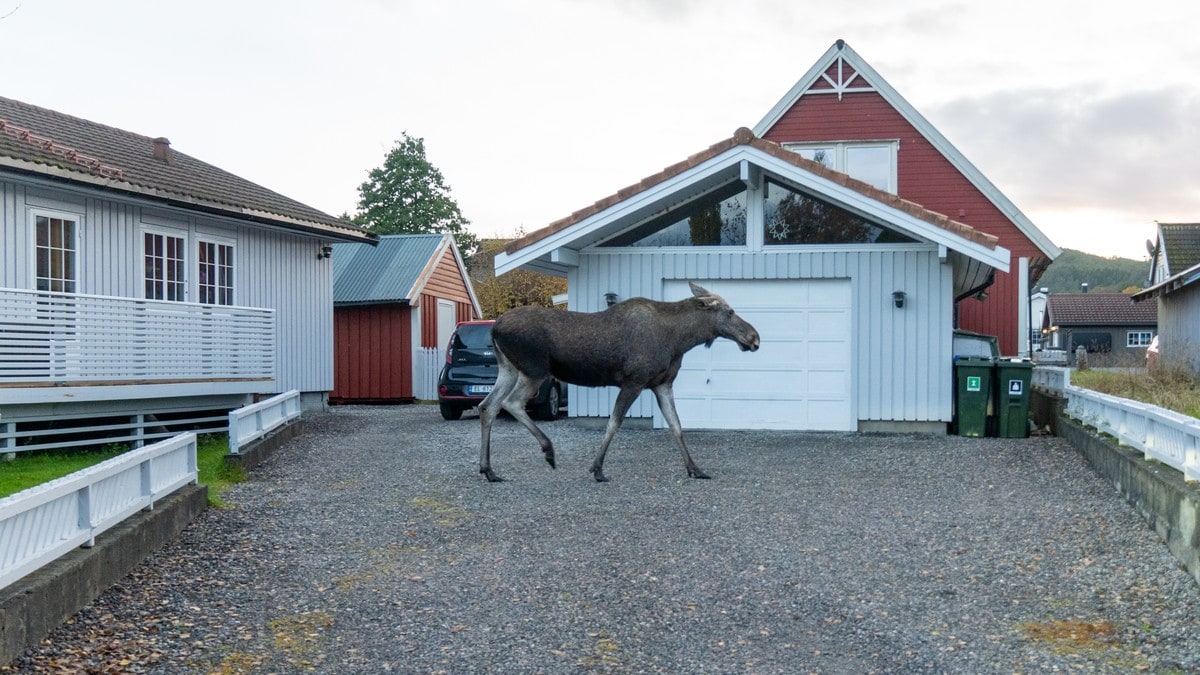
(800, 378)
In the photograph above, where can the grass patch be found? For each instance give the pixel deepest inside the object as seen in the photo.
(34, 468)
(1173, 388)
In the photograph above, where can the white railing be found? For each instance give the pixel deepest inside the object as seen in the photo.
(427, 366)
(45, 522)
(250, 423)
(57, 339)
(1052, 380)
(1160, 434)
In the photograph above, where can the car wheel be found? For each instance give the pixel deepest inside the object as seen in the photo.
(450, 412)
(548, 409)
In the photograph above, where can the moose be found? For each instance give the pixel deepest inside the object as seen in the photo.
(635, 345)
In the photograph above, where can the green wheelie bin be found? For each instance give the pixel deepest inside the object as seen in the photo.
(1011, 381)
(972, 388)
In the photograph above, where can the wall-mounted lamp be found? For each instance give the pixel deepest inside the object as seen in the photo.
(898, 298)
(610, 298)
(326, 251)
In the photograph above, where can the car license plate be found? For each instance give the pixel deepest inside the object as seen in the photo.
(479, 389)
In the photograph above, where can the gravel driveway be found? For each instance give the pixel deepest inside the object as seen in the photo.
(372, 544)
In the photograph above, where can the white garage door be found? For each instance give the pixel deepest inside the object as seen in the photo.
(800, 378)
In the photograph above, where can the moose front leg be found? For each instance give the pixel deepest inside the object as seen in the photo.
(666, 403)
(624, 400)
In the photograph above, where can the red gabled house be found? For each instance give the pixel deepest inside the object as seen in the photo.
(845, 115)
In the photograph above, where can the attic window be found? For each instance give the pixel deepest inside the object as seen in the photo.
(792, 217)
(716, 219)
(872, 162)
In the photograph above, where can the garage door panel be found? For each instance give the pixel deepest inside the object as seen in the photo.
(800, 378)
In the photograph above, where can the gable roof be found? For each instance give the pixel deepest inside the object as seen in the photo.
(1180, 245)
(394, 271)
(841, 70)
(1099, 309)
(743, 156)
(61, 148)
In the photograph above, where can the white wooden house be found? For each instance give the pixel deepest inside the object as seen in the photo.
(851, 288)
(1174, 271)
(141, 288)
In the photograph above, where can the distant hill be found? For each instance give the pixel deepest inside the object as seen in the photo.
(1102, 275)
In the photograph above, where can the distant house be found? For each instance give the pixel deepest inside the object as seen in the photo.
(843, 114)
(143, 290)
(1174, 271)
(1109, 325)
(395, 304)
(851, 288)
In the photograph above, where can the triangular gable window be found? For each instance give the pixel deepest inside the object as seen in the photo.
(716, 219)
(792, 217)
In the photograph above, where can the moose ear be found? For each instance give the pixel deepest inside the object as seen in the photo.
(698, 290)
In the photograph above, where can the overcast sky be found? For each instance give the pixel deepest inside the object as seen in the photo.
(1086, 114)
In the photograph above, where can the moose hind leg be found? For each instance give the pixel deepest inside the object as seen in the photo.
(666, 403)
(506, 380)
(515, 403)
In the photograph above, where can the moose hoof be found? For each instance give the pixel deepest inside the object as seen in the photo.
(550, 457)
(697, 473)
(598, 475)
(491, 475)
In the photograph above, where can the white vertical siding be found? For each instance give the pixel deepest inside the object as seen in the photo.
(1179, 326)
(274, 269)
(903, 369)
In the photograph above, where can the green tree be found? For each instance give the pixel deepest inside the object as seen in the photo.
(408, 195)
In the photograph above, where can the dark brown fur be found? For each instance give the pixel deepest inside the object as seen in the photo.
(634, 345)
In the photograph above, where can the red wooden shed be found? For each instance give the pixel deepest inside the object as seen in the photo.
(394, 307)
(845, 115)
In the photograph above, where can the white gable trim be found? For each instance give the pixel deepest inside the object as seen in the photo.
(733, 164)
(431, 265)
(843, 51)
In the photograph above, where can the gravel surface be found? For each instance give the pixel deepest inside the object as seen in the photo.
(372, 544)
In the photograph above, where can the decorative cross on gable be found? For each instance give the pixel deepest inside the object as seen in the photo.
(839, 78)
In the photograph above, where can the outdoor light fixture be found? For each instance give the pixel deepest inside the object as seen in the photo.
(610, 298)
(898, 298)
(326, 251)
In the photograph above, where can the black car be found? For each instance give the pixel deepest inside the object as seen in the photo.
(470, 372)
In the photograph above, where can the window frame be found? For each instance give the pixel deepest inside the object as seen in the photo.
(1132, 342)
(165, 231)
(839, 156)
(217, 241)
(53, 214)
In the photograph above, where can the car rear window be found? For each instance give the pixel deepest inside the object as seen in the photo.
(473, 336)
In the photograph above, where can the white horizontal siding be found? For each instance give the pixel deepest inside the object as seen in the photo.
(903, 370)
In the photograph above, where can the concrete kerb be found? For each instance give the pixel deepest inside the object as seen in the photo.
(1169, 504)
(43, 600)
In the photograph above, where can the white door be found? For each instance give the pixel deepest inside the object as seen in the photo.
(800, 378)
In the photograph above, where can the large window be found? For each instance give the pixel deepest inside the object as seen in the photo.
(793, 217)
(716, 219)
(215, 274)
(871, 162)
(164, 256)
(55, 253)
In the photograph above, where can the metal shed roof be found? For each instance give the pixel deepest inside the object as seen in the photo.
(388, 272)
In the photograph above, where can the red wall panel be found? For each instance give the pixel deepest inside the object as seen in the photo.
(926, 177)
(372, 354)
